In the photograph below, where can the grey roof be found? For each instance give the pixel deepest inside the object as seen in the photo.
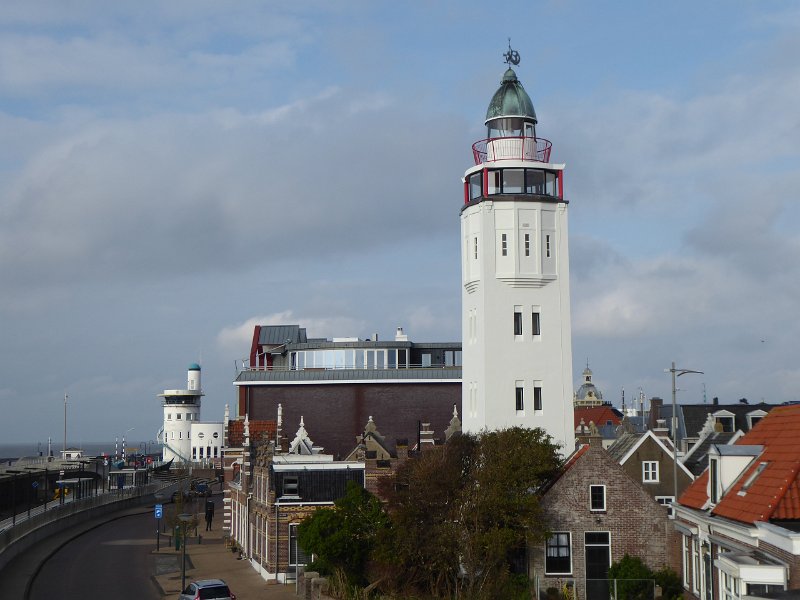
(692, 417)
(740, 450)
(624, 443)
(697, 459)
(366, 375)
(275, 335)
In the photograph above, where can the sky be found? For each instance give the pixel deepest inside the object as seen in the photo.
(173, 173)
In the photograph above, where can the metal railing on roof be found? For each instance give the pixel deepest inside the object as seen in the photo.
(512, 148)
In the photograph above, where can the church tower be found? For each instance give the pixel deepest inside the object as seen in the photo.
(517, 349)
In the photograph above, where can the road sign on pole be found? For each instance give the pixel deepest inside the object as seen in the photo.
(159, 511)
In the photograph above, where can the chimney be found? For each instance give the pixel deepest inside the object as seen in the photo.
(400, 336)
(655, 411)
(374, 337)
(715, 401)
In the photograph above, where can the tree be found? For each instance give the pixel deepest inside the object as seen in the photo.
(460, 513)
(634, 578)
(342, 537)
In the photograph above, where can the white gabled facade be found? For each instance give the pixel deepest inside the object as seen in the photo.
(517, 350)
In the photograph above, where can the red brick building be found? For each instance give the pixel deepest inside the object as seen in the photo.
(597, 513)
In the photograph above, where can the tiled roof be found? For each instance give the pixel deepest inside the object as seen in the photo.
(774, 492)
(600, 415)
(259, 431)
(624, 443)
(697, 459)
(571, 460)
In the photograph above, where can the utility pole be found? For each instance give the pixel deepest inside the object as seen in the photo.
(65, 425)
(676, 373)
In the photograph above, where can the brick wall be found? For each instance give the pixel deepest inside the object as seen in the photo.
(335, 414)
(637, 524)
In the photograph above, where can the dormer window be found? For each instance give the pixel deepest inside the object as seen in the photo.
(713, 480)
(754, 417)
(724, 421)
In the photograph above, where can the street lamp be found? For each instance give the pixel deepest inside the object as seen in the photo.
(676, 373)
(123, 444)
(184, 518)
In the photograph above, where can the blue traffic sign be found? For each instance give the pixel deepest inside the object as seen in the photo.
(35, 484)
(159, 511)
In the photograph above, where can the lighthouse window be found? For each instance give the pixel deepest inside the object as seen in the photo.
(513, 181)
(550, 184)
(547, 245)
(504, 244)
(178, 416)
(527, 244)
(534, 182)
(536, 328)
(476, 248)
(475, 185)
(494, 183)
(537, 397)
(517, 322)
(520, 398)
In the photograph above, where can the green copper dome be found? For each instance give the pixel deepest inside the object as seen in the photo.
(511, 100)
(194, 367)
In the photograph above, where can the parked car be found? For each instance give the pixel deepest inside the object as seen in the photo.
(207, 589)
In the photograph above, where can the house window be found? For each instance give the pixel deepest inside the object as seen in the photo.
(503, 244)
(296, 555)
(537, 397)
(724, 423)
(730, 587)
(687, 559)
(536, 325)
(713, 478)
(520, 397)
(517, 322)
(696, 566)
(666, 501)
(291, 486)
(650, 471)
(527, 244)
(597, 497)
(558, 554)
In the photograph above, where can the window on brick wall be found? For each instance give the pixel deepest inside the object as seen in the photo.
(597, 497)
(666, 501)
(558, 554)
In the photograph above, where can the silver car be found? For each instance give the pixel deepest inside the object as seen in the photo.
(207, 589)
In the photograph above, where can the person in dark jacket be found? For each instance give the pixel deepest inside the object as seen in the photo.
(209, 514)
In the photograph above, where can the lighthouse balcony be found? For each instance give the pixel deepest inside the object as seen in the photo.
(512, 148)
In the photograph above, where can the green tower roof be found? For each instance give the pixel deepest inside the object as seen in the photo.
(194, 367)
(511, 100)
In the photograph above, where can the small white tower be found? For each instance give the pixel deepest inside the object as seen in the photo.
(181, 410)
(517, 349)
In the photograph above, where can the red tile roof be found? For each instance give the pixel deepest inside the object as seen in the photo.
(774, 494)
(600, 415)
(259, 431)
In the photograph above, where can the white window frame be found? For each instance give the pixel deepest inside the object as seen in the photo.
(686, 558)
(666, 501)
(650, 471)
(605, 499)
(569, 545)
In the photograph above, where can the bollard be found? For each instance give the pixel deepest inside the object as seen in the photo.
(199, 539)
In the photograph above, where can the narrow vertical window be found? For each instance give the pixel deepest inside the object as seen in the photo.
(517, 323)
(527, 244)
(520, 398)
(536, 327)
(713, 480)
(476, 247)
(597, 497)
(537, 398)
(547, 245)
(504, 244)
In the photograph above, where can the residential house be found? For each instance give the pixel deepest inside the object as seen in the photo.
(597, 513)
(649, 459)
(740, 520)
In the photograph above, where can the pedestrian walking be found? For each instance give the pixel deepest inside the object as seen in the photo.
(209, 514)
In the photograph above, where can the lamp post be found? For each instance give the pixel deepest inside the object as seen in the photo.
(123, 444)
(675, 374)
(185, 519)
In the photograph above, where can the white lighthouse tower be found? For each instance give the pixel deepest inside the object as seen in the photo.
(181, 411)
(517, 349)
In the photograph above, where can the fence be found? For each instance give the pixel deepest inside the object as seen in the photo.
(597, 589)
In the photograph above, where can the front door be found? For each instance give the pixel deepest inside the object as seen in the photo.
(597, 548)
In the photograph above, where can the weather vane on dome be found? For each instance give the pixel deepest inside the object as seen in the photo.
(512, 56)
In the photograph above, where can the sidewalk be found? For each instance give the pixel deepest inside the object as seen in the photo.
(212, 560)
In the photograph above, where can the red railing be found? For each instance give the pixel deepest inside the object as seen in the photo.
(512, 148)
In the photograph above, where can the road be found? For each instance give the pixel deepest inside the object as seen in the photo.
(110, 561)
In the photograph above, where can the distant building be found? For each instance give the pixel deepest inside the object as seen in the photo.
(185, 438)
(587, 395)
(339, 383)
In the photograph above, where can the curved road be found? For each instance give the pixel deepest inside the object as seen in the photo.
(113, 560)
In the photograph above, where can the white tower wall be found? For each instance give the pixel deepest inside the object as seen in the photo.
(532, 276)
(181, 412)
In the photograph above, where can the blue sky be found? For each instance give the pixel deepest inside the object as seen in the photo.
(173, 173)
